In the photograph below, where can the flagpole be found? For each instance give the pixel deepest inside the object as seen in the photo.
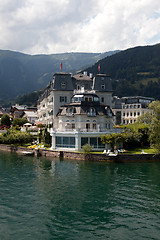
(61, 66)
(99, 68)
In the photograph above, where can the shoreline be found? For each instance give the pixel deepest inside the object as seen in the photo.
(120, 158)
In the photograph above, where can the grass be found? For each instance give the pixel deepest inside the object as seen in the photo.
(139, 150)
(135, 151)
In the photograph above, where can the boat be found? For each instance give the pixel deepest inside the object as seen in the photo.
(27, 153)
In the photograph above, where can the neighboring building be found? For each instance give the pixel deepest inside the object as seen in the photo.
(31, 116)
(128, 109)
(17, 111)
(78, 108)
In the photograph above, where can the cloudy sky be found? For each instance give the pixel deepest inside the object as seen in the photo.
(57, 26)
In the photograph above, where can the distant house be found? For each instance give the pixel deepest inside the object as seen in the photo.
(17, 111)
(31, 116)
(3, 111)
(128, 109)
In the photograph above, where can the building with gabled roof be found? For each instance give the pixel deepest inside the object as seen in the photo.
(17, 111)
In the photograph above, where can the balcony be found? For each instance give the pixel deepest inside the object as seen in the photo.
(91, 114)
(84, 130)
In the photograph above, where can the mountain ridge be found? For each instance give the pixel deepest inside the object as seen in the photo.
(137, 68)
(22, 73)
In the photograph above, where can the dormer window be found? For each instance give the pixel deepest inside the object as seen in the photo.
(70, 111)
(102, 86)
(92, 112)
(88, 99)
(63, 85)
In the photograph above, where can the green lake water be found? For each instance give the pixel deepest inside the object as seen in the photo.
(42, 199)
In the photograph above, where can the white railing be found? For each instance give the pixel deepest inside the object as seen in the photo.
(91, 114)
(114, 130)
(83, 91)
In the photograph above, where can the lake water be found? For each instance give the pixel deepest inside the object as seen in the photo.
(47, 200)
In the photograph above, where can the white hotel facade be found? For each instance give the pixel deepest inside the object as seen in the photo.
(78, 109)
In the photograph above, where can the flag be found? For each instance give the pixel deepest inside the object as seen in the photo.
(61, 66)
(99, 68)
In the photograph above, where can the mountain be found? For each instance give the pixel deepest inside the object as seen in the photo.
(135, 71)
(21, 73)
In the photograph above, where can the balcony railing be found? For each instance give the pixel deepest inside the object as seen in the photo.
(91, 114)
(114, 130)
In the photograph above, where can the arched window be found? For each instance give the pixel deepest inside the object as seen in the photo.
(87, 125)
(70, 111)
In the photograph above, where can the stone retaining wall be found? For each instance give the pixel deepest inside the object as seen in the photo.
(121, 158)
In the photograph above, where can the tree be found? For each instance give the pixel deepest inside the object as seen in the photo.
(47, 137)
(113, 139)
(145, 118)
(155, 125)
(5, 120)
(136, 135)
(19, 121)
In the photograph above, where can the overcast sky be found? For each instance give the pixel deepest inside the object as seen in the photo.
(57, 26)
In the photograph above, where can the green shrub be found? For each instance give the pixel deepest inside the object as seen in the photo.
(16, 137)
(87, 149)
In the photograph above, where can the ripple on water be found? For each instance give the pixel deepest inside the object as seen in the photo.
(43, 199)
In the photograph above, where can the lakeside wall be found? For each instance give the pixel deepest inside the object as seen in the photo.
(120, 158)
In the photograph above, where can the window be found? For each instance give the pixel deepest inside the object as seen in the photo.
(92, 112)
(78, 87)
(102, 99)
(95, 142)
(108, 125)
(50, 113)
(87, 126)
(70, 111)
(63, 85)
(65, 142)
(100, 144)
(73, 125)
(84, 141)
(96, 99)
(102, 86)
(90, 99)
(63, 99)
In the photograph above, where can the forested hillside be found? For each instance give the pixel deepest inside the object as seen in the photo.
(21, 73)
(135, 71)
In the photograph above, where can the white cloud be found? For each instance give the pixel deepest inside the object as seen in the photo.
(51, 26)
